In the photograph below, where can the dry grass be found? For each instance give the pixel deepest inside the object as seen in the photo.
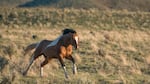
(148, 59)
(118, 56)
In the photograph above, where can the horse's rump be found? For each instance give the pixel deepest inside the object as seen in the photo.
(42, 44)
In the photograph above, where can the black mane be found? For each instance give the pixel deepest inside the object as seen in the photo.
(66, 31)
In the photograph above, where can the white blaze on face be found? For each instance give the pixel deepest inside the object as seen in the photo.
(41, 71)
(76, 39)
(54, 42)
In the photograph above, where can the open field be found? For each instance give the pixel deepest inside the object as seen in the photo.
(114, 45)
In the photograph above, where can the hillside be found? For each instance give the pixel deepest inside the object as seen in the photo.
(132, 5)
(113, 48)
(92, 18)
(11, 3)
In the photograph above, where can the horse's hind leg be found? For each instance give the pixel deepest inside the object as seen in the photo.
(74, 65)
(42, 65)
(31, 61)
(35, 55)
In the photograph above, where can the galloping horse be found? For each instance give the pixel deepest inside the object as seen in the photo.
(60, 48)
(39, 46)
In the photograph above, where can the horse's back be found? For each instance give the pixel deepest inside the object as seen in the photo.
(42, 45)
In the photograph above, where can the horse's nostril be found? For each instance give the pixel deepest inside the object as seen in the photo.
(77, 47)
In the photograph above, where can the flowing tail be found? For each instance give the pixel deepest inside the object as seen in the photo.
(30, 47)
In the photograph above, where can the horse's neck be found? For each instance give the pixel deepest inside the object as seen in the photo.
(64, 42)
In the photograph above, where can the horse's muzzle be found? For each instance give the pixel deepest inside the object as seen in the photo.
(76, 47)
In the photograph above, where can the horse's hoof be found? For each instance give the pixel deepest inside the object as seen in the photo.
(74, 72)
(24, 73)
(67, 77)
(41, 76)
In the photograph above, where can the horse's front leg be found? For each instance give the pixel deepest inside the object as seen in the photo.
(63, 66)
(74, 64)
(74, 68)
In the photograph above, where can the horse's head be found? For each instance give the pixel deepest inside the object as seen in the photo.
(74, 36)
(70, 38)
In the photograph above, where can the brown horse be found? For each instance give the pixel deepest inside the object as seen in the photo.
(39, 46)
(60, 48)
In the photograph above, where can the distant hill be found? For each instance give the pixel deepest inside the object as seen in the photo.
(132, 5)
(12, 3)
